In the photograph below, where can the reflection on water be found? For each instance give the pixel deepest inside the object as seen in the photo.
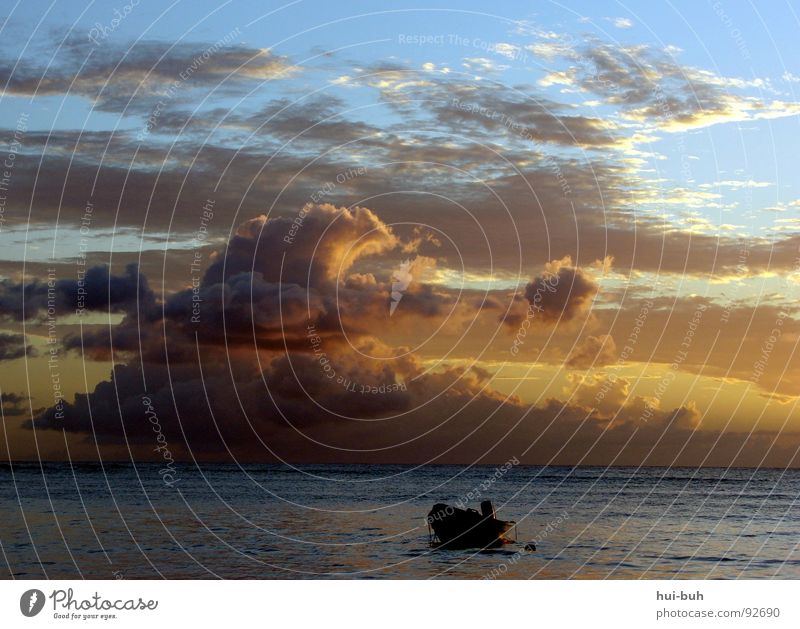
(264, 521)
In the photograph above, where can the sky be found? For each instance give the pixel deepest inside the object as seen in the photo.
(436, 233)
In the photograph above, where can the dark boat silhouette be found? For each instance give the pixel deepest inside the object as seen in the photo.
(456, 528)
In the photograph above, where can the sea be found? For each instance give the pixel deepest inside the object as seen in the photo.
(230, 521)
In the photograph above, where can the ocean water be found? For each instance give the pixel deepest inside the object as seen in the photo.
(358, 521)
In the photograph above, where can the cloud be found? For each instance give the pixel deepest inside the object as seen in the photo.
(482, 64)
(97, 290)
(273, 279)
(737, 184)
(450, 429)
(567, 435)
(312, 119)
(510, 51)
(522, 118)
(562, 293)
(649, 87)
(593, 351)
(302, 287)
(318, 245)
(282, 342)
(299, 395)
(134, 79)
(674, 115)
(311, 393)
(14, 404)
(268, 324)
(14, 346)
(604, 200)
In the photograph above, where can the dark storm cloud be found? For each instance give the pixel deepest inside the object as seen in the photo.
(14, 404)
(97, 290)
(230, 403)
(463, 426)
(295, 325)
(561, 293)
(136, 78)
(14, 346)
(114, 412)
(248, 309)
(318, 245)
(289, 400)
(274, 278)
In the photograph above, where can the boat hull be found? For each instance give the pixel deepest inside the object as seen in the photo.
(466, 528)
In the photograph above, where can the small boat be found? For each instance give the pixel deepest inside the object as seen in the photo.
(456, 528)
